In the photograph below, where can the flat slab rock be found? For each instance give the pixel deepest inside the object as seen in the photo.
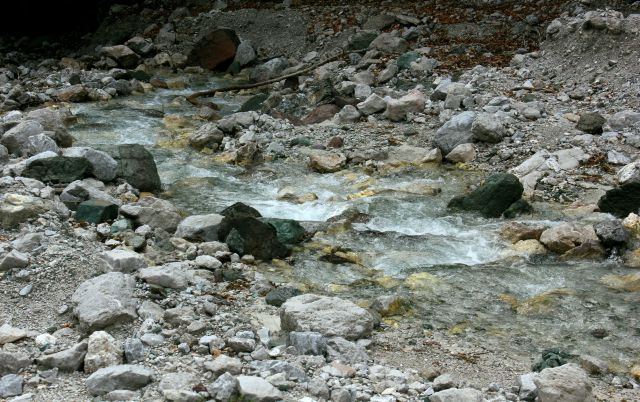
(330, 316)
(121, 377)
(257, 389)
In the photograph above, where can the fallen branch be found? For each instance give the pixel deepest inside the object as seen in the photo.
(193, 98)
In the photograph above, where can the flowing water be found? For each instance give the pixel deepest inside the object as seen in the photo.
(457, 273)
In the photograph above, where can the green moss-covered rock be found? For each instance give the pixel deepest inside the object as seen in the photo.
(498, 192)
(96, 211)
(288, 230)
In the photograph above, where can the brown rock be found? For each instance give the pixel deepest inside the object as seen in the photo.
(74, 93)
(214, 50)
(335, 142)
(327, 162)
(321, 113)
(565, 236)
(516, 231)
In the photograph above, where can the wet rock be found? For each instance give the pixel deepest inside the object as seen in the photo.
(488, 128)
(224, 388)
(103, 166)
(389, 43)
(214, 50)
(154, 212)
(125, 261)
(326, 162)
(330, 316)
(120, 377)
(624, 119)
(207, 136)
(591, 123)
(397, 109)
(58, 169)
(271, 69)
(278, 296)
(493, 197)
(257, 389)
(136, 166)
(11, 385)
(16, 209)
(251, 236)
(611, 233)
(288, 230)
(16, 139)
(67, 360)
(105, 300)
(456, 131)
(517, 231)
(565, 236)
(102, 351)
(462, 153)
(125, 57)
(621, 201)
(457, 395)
(73, 93)
(96, 211)
(567, 383)
(173, 275)
(200, 227)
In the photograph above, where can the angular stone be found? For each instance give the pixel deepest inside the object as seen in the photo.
(330, 316)
(591, 123)
(224, 388)
(11, 385)
(224, 364)
(134, 350)
(67, 360)
(251, 236)
(105, 300)
(462, 153)
(102, 351)
(624, 119)
(11, 362)
(488, 128)
(621, 201)
(307, 343)
(373, 104)
(257, 389)
(288, 230)
(456, 131)
(58, 169)
(493, 197)
(73, 93)
(340, 349)
(565, 236)
(326, 162)
(123, 260)
(278, 296)
(214, 49)
(567, 383)
(40, 143)
(125, 57)
(200, 227)
(96, 211)
(397, 109)
(14, 259)
(173, 275)
(16, 139)
(154, 212)
(245, 54)
(120, 377)
(271, 69)
(9, 334)
(179, 387)
(136, 166)
(457, 395)
(389, 43)
(103, 166)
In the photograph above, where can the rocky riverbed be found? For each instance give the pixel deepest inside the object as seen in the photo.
(445, 212)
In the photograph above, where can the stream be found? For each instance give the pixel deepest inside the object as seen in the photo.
(455, 270)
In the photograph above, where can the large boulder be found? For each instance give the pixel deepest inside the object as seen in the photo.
(58, 169)
(568, 235)
(82, 190)
(120, 377)
(567, 383)
(456, 131)
(621, 201)
(498, 192)
(624, 119)
(251, 236)
(245, 54)
(16, 138)
(214, 50)
(103, 166)
(330, 316)
(326, 162)
(154, 212)
(488, 128)
(105, 300)
(123, 55)
(271, 69)
(136, 166)
(200, 227)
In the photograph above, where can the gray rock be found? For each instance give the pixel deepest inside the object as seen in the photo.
(125, 57)
(136, 166)
(208, 262)
(326, 162)
(457, 395)
(67, 360)
(4, 154)
(105, 300)
(488, 128)
(307, 343)
(373, 104)
(567, 383)
(389, 43)
(121, 395)
(82, 190)
(444, 381)
(330, 316)
(103, 166)
(178, 387)
(257, 389)
(240, 344)
(591, 123)
(624, 119)
(140, 45)
(629, 173)
(271, 69)
(200, 227)
(12, 361)
(28, 243)
(278, 296)
(207, 136)
(173, 275)
(154, 212)
(224, 387)
(40, 143)
(16, 209)
(527, 388)
(456, 131)
(9, 334)
(318, 388)
(245, 54)
(134, 350)
(224, 364)
(462, 153)
(611, 233)
(388, 73)
(102, 351)
(397, 109)
(291, 371)
(340, 349)
(11, 385)
(14, 259)
(125, 261)
(16, 139)
(120, 377)
(348, 114)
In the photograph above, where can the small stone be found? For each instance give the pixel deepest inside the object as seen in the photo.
(224, 363)
(11, 385)
(257, 389)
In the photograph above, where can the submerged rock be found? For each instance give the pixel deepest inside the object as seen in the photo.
(493, 197)
(288, 230)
